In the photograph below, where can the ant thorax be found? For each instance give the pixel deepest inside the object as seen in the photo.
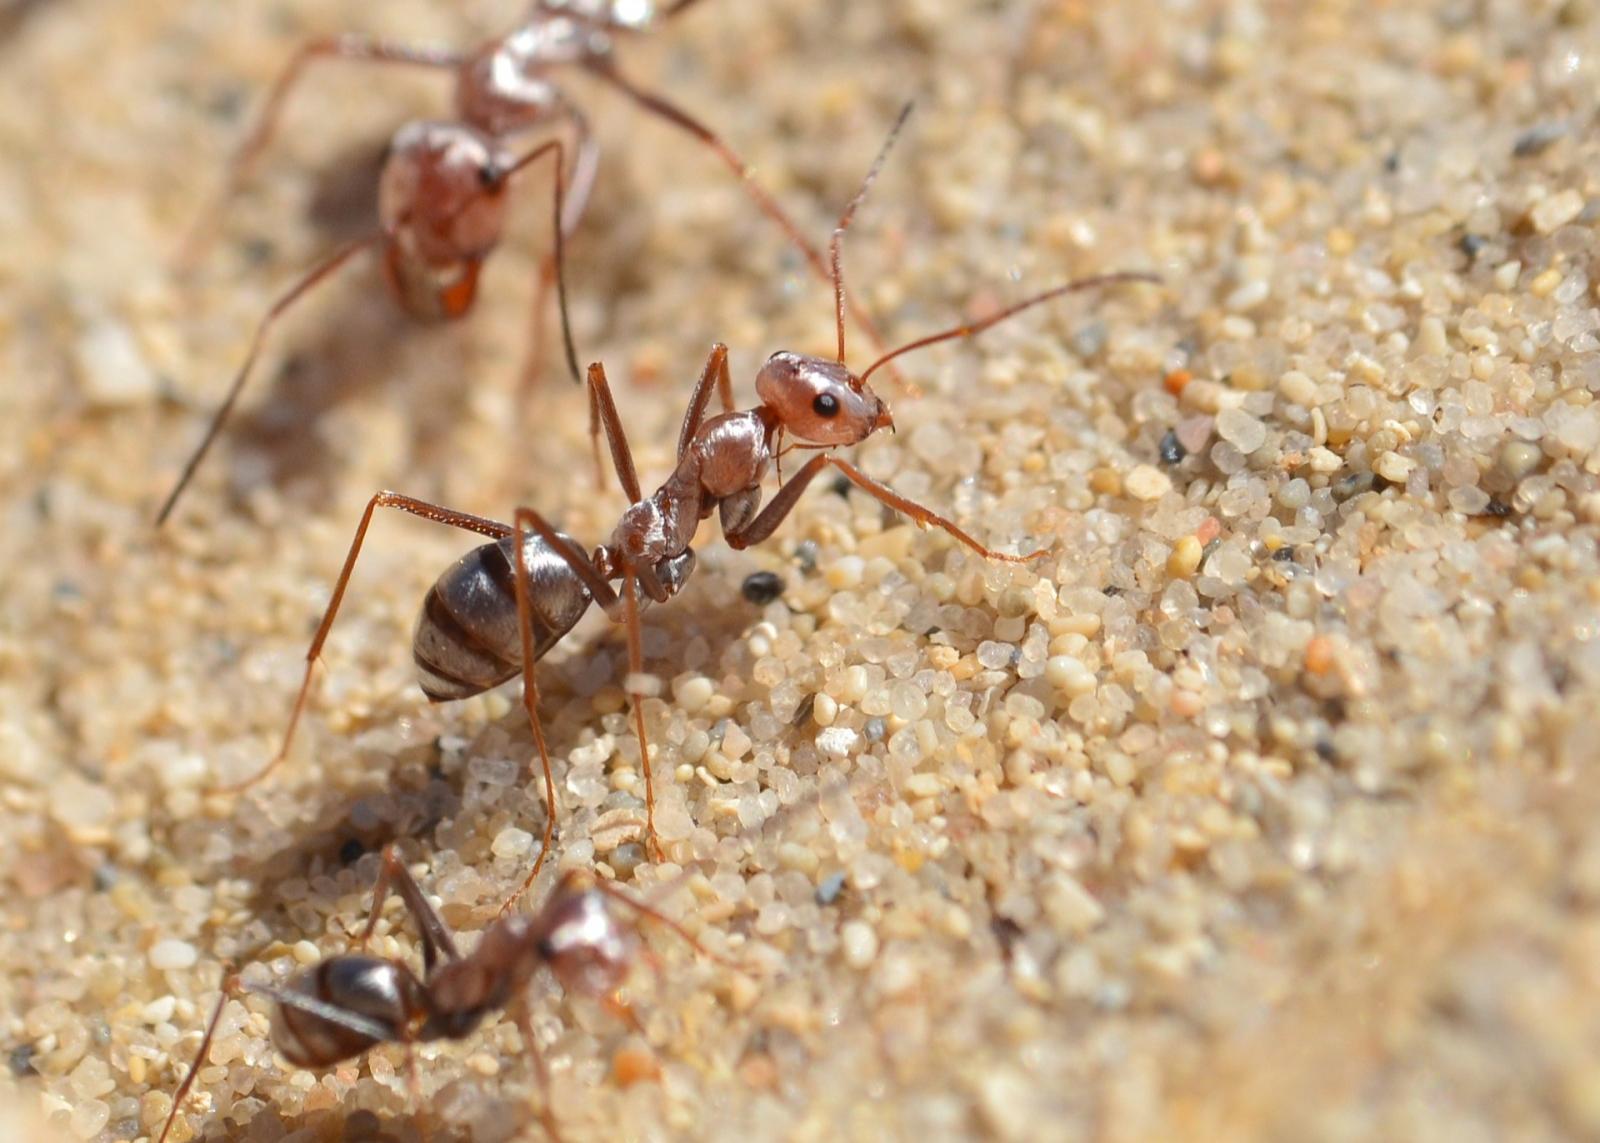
(504, 88)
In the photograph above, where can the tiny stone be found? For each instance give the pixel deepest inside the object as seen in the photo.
(1171, 450)
(1517, 459)
(1185, 557)
(111, 367)
(830, 888)
(1241, 430)
(172, 954)
(694, 693)
(512, 842)
(824, 709)
(1146, 482)
(1393, 467)
(1556, 211)
(860, 944)
(1068, 674)
(845, 572)
(762, 587)
(995, 656)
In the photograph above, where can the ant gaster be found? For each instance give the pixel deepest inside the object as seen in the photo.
(506, 603)
(441, 194)
(338, 1008)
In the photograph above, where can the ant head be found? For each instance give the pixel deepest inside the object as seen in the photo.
(442, 191)
(584, 945)
(820, 401)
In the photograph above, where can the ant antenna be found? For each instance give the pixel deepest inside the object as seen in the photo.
(1011, 311)
(849, 213)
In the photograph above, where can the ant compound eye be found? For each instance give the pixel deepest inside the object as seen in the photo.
(490, 176)
(825, 405)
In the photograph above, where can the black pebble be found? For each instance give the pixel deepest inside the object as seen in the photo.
(1172, 452)
(762, 587)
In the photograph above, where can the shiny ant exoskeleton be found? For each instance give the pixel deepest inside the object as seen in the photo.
(442, 191)
(339, 1007)
(506, 603)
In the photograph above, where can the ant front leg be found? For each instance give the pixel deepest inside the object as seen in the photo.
(630, 619)
(355, 48)
(436, 513)
(715, 372)
(783, 503)
(394, 877)
(603, 412)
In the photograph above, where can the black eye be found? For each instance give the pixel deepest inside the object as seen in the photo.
(490, 176)
(826, 405)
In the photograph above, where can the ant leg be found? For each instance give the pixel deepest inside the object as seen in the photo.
(524, 1022)
(630, 619)
(551, 266)
(783, 503)
(357, 48)
(527, 520)
(676, 9)
(764, 200)
(312, 278)
(436, 513)
(570, 202)
(716, 371)
(530, 701)
(230, 988)
(394, 877)
(603, 412)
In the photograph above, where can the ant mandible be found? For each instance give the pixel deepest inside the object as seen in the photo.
(442, 191)
(506, 603)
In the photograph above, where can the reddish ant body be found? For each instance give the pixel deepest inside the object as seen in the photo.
(442, 191)
(506, 603)
(338, 1008)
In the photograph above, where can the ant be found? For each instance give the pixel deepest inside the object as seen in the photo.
(506, 603)
(343, 1005)
(441, 193)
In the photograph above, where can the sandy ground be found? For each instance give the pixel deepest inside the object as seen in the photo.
(1261, 808)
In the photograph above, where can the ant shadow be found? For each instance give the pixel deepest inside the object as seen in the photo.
(356, 349)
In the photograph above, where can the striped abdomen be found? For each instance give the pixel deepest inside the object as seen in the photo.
(360, 1001)
(466, 639)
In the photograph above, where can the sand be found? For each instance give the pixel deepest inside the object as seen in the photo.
(1262, 807)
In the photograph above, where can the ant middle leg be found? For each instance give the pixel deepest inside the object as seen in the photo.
(436, 513)
(784, 501)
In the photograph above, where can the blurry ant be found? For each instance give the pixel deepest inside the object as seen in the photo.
(506, 603)
(338, 1008)
(441, 193)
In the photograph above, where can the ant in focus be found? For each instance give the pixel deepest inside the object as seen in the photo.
(337, 1009)
(442, 191)
(506, 603)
